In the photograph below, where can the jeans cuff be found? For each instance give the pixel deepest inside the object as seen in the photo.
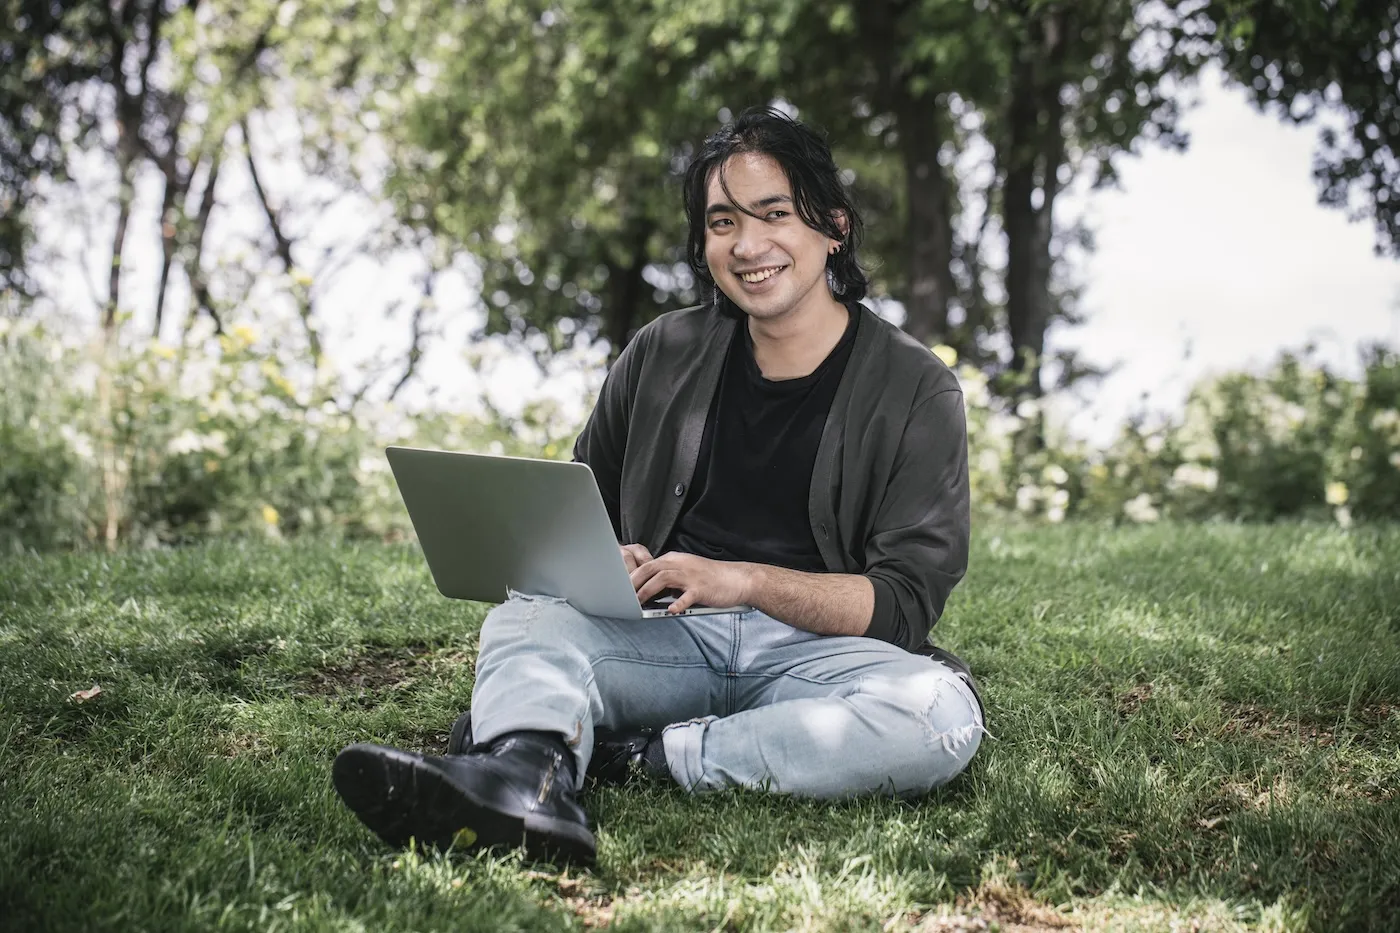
(684, 744)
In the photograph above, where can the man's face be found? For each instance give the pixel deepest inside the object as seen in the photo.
(769, 265)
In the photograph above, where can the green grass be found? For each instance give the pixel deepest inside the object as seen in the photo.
(1193, 724)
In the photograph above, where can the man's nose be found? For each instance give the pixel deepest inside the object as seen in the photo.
(747, 244)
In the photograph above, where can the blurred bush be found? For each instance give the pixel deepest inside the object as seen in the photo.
(1296, 441)
(152, 445)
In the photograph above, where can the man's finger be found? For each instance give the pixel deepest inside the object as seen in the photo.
(634, 555)
(683, 602)
(661, 580)
(645, 572)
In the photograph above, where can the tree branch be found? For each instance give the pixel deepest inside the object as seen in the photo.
(415, 347)
(283, 247)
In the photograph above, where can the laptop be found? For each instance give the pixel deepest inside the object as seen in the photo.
(489, 525)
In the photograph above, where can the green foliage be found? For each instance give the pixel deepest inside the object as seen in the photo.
(1295, 441)
(147, 445)
(1306, 61)
(48, 51)
(47, 495)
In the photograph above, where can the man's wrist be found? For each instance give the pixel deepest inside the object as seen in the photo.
(755, 584)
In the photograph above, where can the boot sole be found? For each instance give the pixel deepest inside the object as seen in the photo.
(403, 799)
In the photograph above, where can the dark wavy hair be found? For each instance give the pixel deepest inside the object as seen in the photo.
(817, 194)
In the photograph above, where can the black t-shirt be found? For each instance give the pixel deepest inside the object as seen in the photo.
(748, 500)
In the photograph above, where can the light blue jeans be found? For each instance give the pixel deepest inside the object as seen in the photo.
(745, 700)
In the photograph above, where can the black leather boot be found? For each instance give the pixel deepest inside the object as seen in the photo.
(520, 791)
(617, 756)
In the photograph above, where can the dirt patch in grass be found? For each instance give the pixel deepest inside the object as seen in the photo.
(1130, 702)
(1257, 722)
(244, 745)
(382, 669)
(996, 905)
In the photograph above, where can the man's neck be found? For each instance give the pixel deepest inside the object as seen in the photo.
(796, 344)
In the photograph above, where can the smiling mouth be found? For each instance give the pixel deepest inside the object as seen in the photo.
(753, 278)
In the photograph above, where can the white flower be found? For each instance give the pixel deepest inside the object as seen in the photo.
(1059, 499)
(1141, 509)
(186, 442)
(1026, 498)
(1001, 424)
(1356, 453)
(1196, 476)
(1054, 473)
(77, 441)
(250, 376)
(974, 387)
(1201, 450)
(372, 465)
(988, 461)
(1385, 419)
(1343, 515)
(1055, 514)
(1028, 409)
(1153, 444)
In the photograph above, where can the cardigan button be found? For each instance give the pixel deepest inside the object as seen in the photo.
(680, 489)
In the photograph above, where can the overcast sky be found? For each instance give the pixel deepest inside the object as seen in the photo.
(1224, 251)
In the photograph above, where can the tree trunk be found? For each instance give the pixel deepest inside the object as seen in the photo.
(126, 168)
(1034, 151)
(929, 225)
(625, 298)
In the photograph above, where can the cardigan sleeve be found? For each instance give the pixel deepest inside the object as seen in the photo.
(918, 547)
(603, 441)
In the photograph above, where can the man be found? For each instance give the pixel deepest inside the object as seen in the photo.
(779, 447)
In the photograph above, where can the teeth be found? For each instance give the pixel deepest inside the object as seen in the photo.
(754, 277)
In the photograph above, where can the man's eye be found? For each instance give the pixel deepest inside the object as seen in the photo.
(722, 220)
(773, 214)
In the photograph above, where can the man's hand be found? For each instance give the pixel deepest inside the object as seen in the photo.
(700, 580)
(634, 555)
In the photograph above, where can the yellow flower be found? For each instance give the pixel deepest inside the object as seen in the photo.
(162, 351)
(551, 449)
(245, 333)
(1337, 493)
(947, 354)
(1099, 471)
(269, 515)
(211, 466)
